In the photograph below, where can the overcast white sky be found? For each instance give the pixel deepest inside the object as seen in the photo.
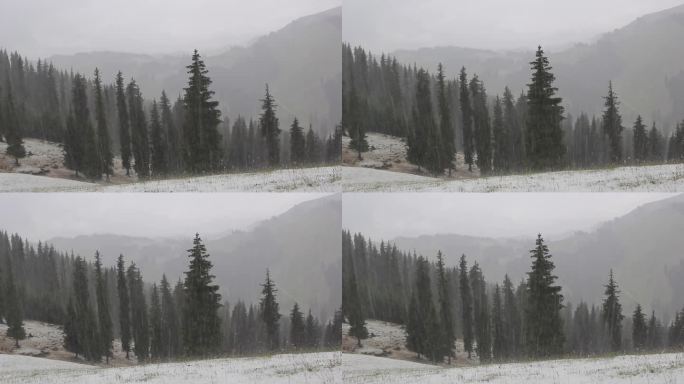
(46, 27)
(43, 216)
(387, 25)
(390, 215)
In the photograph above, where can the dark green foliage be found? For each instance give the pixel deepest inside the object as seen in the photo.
(612, 314)
(12, 128)
(312, 331)
(313, 149)
(543, 325)
(156, 329)
(423, 330)
(482, 131)
(71, 341)
(90, 345)
(481, 315)
(467, 306)
(104, 147)
(169, 131)
(201, 323)
(641, 145)
(297, 143)
(201, 138)
(448, 136)
(512, 321)
(15, 315)
(170, 329)
(139, 318)
(448, 338)
(639, 329)
(612, 125)
(124, 124)
(543, 135)
(124, 306)
(139, 135)
(500, 341)
(270, 314)
(104, 319)
(655, 144)
(270, 131)
(159, 157)
(425, 146)
(297, 328)
(467, 116)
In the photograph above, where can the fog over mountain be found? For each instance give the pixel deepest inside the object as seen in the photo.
(301, 247)
(301, 62)
(643, 247)
(644, 59)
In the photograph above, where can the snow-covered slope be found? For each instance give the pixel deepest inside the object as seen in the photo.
(291, 368)
(319, 179)
(634, 369)
(654, 178)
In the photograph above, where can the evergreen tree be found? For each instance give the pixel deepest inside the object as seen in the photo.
(15, 315)
(124, 124)
(543, 325)
(104, 150)
(139, 318)
(297, 328)
(201, 138)
(612, 314)
(158, 139)
(269, 128)
(480, 314)
(201, 323)
(467, 117)
(270, 315)
(467, 306)
(312, 149)
(446, 129)
(612, 125)
(12, 129)
(139, 136)
(655, 152)
(297, 143)
(423, 330)
(156, 345)
(511, 319)
(71, 341)
(169, 322)
(351, 114)
(124, 307)
(653, 333)
(86, 327)
(641, 147)
(170, 131)
(543, 136)
(639, 329)
(447, 322)
(103, 315)
(500, 342)
(511, 122)
(312, 331)
(501, 139)
(481, 126)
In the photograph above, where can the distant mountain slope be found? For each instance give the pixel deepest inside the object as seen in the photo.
(645, 248)
(645, 61)
(301, 248)
(301, 63)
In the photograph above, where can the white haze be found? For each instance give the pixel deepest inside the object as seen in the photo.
(46, 27)
(390, 215)
(387, 25)
(48, 215)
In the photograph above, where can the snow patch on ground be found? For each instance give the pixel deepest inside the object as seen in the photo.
(651, 178)
(634, 369)
(321, 367)
(317, 179)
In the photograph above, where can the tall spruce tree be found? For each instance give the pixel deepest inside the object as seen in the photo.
(612, 125)
(124, 124)
(423, 330)
(511, 122)
(104, 146)
(612, 314)
(467, 118)
(270, 314)
(639, 329)
(467, 306)
(543, 326)
(482, 324)
(297, 328)
(139, 318)
(543, 134)
(169, 322)
(15, 316)
(481, 126)
(445, 311)
(297, 143)
(640, 141)
(156, 345)
(270, 131)
(139, 135)
(12, 128)
(445, 127)
(201, 323)
(86, 326)
(170, 132)
(158, 140)
(105, 332)
(500, 342)
(201, 138)
(124, 306)
(511, 319)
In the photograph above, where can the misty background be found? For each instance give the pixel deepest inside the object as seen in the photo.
(637, 235)
(635, 44)
(296, 236)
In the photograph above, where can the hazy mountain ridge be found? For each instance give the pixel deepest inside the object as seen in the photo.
(301, 62)
(644, 59)
(643, 247)
(301, 247)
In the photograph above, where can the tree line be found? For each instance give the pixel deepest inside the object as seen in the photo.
(436, 304)
(497, 135)
(154, 139)
(153, 322)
